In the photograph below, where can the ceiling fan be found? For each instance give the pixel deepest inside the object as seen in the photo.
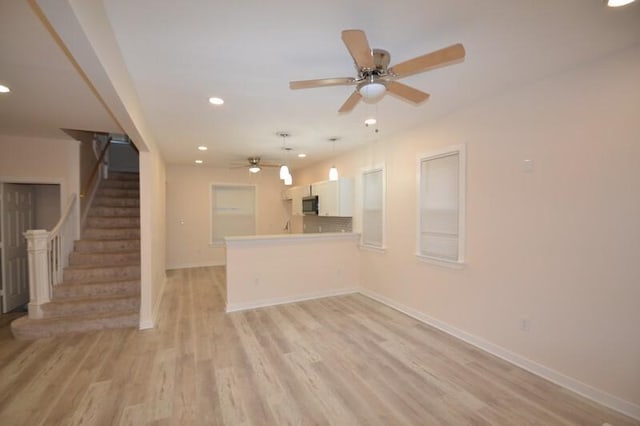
(375, 77)
(255, 165)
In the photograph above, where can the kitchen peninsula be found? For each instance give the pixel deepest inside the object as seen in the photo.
(266, 270)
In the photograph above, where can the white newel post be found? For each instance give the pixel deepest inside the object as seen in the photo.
(37, 240)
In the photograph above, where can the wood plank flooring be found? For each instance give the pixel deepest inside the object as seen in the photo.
(344, 360)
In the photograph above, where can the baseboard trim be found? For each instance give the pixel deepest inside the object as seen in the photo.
(194, 265)
(236, 307)
(625, 407)
(146, 325)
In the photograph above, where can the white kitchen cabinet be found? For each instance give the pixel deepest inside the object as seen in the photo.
(335, 198)
(297, 193)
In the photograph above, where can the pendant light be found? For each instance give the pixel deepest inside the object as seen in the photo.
(284, 169)
(333, 171)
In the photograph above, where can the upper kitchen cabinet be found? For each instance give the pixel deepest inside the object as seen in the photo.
(335, 198)
(296, 194)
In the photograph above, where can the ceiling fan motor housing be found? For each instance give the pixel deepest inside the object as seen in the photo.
(381, 60)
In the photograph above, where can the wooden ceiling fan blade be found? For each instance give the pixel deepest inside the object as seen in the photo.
(439, 58)
(323, 82)
(351, 102)
(406, 92)
(358, 46)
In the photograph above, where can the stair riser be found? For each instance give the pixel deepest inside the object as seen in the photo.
(121, 184)
(117, 192)
(114, 211)
(63, 309)
(113, 222)
(100, 274)
(23, 330)
(116, 288)
(111, 234)
(87, 246)
(124, 176)
(116, 202)
(79, 259)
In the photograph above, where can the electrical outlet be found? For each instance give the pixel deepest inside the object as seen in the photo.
(525, 324)
(528, 166)
(257, 281)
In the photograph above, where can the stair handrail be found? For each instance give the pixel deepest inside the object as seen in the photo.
(94, 171)
(48, 255)
(61, 240)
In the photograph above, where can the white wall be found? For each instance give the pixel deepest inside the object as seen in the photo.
(188, 211)
(558, 246)
(152, 235)
(39, 160)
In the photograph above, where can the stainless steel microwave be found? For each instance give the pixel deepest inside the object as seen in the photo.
(310, 205)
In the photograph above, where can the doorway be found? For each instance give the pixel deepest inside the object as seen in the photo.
(23, 206)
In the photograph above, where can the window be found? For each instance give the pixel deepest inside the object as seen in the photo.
(441, 206)
(373, 208)
(233, 211)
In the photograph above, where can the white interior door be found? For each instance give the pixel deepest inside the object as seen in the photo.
(18, 213)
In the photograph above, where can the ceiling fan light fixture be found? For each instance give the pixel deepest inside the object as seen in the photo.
(372, 92)
(254, 169)
(284, 172)
(618, 3)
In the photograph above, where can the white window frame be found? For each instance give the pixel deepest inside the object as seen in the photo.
(226, 184)
(383, 246)
(460, 150)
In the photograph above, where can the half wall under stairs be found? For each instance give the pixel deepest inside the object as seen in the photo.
(101, 286)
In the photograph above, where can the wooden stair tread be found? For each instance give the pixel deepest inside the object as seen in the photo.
(105, 266)
(27, 328)
(92, 299)
(115, 281)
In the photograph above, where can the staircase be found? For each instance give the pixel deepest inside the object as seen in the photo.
(101, 286)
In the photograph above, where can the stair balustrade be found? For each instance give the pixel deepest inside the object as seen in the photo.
(91, 185)
(48, 255)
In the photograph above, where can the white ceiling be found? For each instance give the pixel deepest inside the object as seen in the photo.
(179, 54)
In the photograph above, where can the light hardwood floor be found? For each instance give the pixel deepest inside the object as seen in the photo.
(343, 360)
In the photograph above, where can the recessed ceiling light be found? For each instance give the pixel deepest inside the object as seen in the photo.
(302, 155)
(198, 161)
(216, 101)
(202, 148)
(618, 3)
(4, 89)
(370, 121)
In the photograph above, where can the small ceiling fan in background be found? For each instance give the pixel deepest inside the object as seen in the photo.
(375, 77)
(254, 165)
